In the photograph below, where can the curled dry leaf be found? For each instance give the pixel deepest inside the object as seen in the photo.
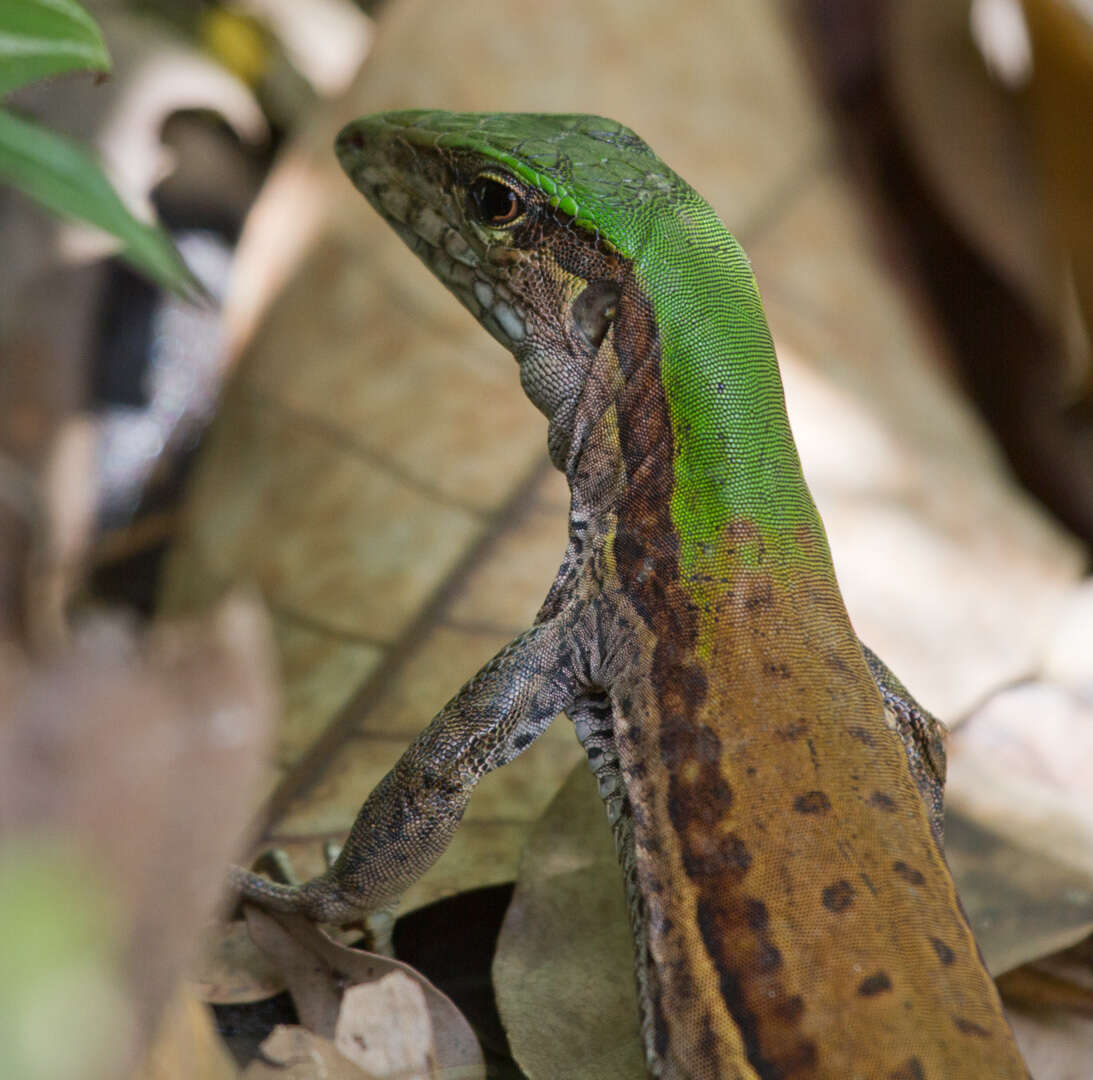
(231, 969)
(318, 970)
(294, 1053)
(384, 1027)
(1020, 766)
(1050, 1003)
(564, 970)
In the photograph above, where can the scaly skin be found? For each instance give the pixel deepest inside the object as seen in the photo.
(774, 791)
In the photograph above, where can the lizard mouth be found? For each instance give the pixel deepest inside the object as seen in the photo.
(428, 218)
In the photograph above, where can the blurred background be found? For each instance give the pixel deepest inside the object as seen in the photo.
(261, 514)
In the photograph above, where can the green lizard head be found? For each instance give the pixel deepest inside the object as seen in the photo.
(532, 221)
(632, 311)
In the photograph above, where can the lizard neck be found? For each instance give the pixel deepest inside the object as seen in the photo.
(737, 479)
(710, 489)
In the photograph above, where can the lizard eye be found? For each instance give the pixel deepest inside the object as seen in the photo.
(494, 203)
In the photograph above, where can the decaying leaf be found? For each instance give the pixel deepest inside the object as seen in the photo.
(294, 1053)
(1050, 1003)
(384, 1027)
(1063, 981)
(1022, 904)
(318, 971)
(231, 969)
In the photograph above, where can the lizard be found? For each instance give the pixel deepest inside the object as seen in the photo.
(774, 791)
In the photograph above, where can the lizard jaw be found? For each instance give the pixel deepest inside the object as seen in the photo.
(424, 213)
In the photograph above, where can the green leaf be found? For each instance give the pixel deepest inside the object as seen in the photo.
(46, 37)
(68, 181)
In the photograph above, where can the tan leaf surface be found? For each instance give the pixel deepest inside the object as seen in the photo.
(231, 970)
(294, 1053)
(318, 971)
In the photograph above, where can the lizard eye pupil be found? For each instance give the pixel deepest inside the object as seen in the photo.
(495, 203)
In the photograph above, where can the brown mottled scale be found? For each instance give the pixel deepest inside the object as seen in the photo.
(774, 791)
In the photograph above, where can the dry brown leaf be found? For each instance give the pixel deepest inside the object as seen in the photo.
(1020, 766)
(231, 969)
(294, 1053)
(318, 970)
(1033, 988)
(384, 1027)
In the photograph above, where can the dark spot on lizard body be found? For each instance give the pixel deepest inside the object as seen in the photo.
(877, 983)
(944, 953)
(883, 802)
(755, 914)
(768, 958)
(911, 1069)
(790, 1008)
(791, 732)
(812, 802)
(863, 735)
(908, 873)
(759, 595)
(714, 857)
(969, 1027)
(838, 896)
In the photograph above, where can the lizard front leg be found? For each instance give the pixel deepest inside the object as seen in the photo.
(408, 820)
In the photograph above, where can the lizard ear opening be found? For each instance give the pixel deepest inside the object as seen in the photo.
(594, 310)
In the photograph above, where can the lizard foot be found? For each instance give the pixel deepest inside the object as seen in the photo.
(319, 899)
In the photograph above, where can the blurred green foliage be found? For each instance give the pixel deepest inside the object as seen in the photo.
(62, 1004)
(40, 38)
